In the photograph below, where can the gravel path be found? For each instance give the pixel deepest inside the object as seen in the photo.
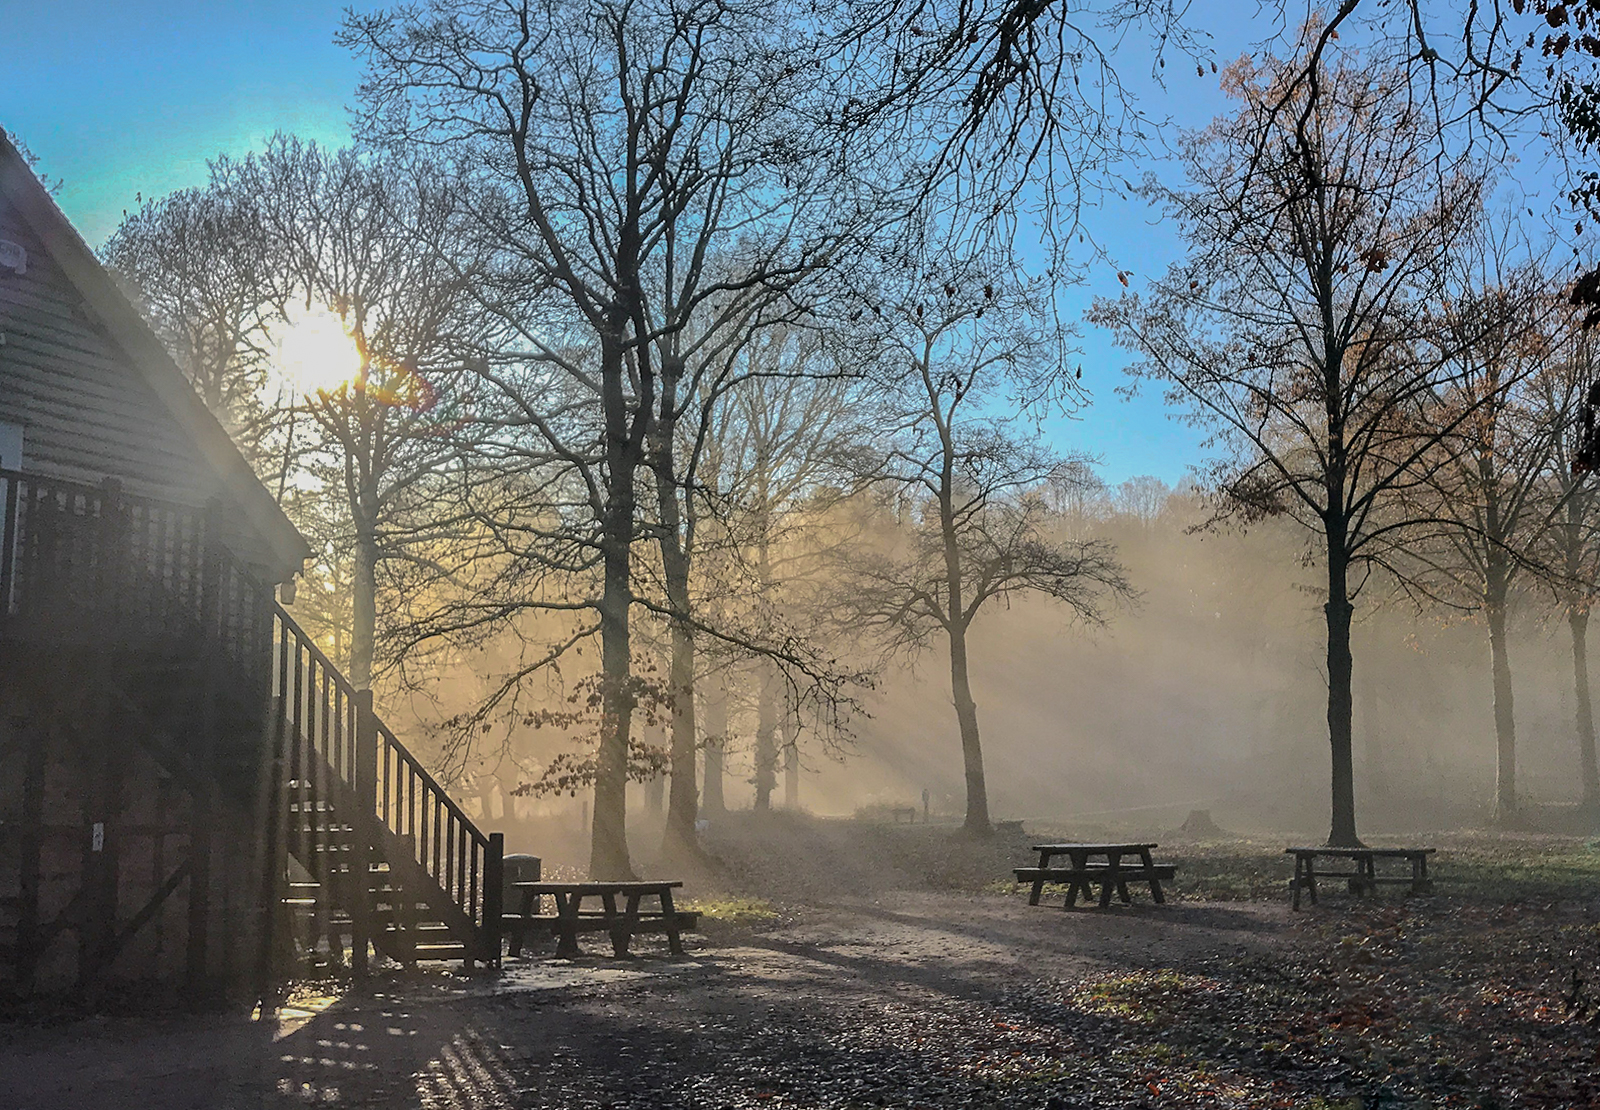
(907, 1000)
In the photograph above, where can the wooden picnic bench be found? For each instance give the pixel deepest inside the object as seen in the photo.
(622, 924)
(1363, 878)
(1113, 875)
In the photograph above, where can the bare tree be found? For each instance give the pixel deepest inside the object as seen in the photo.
(784, 447)
(755, 373)
(955, 343)
(1295, 326)
(1080, 497)
(1571, 541)
(1496, 337)
(1013, 100)
(620, 148)
(373, 241)
(1142, 497)
(202, 272)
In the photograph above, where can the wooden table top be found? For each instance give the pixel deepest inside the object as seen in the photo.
(645, 886)
(1395, 853)
(1085, 847)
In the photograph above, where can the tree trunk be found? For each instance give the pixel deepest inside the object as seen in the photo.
(364, 607)
(1505, 725)
(977, 822)
(712, 801)
(766, 753)
(675, 542)
(1338, 611)
(1377, 772)
(791, 760)
(608, 844)
(766, 747)
(683, 803)
(1578, 622)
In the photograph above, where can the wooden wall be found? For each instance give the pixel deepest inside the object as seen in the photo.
(101, 916)
(86, 413)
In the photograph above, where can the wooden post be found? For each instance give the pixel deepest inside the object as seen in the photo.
(111, 558)
(103, 794)
(205, 744)
(30, 937)
(275, 931)
(493, 898)
(365, 780)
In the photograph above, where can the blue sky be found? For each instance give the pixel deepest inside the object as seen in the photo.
(131, 97)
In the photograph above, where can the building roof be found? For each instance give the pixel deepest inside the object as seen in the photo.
(147, 356)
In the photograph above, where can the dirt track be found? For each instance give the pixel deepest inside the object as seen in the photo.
(909, 999)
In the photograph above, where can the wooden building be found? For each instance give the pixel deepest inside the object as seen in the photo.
(189, 790)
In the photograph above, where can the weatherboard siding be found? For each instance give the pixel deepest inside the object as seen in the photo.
(86, 413)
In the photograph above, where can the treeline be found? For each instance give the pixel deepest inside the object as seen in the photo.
(696, 368)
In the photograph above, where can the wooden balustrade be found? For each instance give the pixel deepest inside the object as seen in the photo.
(335, 721)
(92, 563)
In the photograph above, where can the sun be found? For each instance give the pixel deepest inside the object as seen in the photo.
(316, 354)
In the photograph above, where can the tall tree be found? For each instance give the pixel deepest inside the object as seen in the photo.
(783, 447)
(373, 243)
(205, 277)
(1496, 335)
(620, 147)
(1571, 540)
(982, 531)
(1316, 217)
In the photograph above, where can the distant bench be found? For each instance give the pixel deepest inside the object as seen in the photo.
(1363, 876)
(570, 919)
(1113, 875)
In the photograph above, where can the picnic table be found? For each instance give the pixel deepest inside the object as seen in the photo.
(622, 924)
(1364, 878)
(1113, 875)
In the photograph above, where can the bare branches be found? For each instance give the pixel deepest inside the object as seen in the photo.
(1302, 325)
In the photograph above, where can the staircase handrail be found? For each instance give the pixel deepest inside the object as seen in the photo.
(390, 784)
(346, 687)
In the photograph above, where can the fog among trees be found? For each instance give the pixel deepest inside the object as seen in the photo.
(694, 431)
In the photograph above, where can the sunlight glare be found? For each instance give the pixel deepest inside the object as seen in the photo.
(316, 354)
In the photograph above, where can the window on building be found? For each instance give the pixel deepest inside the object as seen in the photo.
(10, 447)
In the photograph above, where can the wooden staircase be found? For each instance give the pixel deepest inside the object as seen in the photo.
(381, 854)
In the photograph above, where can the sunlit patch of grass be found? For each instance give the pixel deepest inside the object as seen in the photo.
(1508, 869)
(731, 909)
(1056, 891)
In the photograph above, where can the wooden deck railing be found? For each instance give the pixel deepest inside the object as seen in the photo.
(92, 562)
(95, 563)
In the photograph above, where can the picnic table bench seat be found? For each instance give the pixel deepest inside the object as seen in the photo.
(598, 921)
(1363, 877)
(1166, 872)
